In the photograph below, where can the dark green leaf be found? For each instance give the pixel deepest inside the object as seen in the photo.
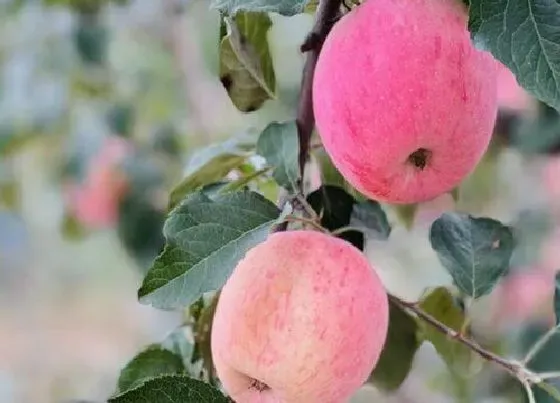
(557, 298)
(120, 119)
(546, 360)
(205, 240)
(91, 40)
(459, 358)
(151, 362)
(284, 7)
(475, 251)
(172, 389)
(333, 204)
(370, 217)
(210, 165)
(523, 36)
(329, 174)
(278, 144)
(398, 353)
(246, 69)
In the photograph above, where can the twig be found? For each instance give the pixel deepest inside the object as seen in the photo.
(549, 375)
(513, 367)
(308, 221)
(529, 391)
(540, 344)
(326, 16)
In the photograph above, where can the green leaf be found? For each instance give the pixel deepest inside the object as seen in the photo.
(334, 205)
(557, 298)
(279, 145)
(283, 7)
(172, 389)
(153, 361)
(475, 251)
(459, 358)
(210, 165)
(72, 229)
(546, 360)
(205, 238)
(398, 353)
(370, 217)
(523, 36)
(329, 174)
(406, 213)
(246, 69)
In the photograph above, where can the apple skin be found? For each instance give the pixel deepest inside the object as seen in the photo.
(404, 103)
(302, 319)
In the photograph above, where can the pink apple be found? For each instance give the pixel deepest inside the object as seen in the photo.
(404, 103)
(524, 296)
(95, 202)
(303, 318)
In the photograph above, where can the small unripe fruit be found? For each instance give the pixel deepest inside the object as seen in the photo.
(404, 103)
(303, 318)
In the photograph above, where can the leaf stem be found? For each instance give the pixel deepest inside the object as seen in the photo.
(341, 230)
(540, 344)
(308, 221)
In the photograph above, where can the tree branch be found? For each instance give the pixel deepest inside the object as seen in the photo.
(513, 367)
(328, 13)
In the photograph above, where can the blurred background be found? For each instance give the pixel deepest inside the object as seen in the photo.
(102, 107)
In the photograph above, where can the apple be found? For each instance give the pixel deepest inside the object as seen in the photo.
(404, 103)
(302, 319)
(95, 202)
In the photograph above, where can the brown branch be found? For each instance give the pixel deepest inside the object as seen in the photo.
(515, 368)
(327, 14)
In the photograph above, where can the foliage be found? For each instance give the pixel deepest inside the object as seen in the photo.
(232, 193)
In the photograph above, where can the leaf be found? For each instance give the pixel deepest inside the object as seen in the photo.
(398, 353)
(279, 145)
(153, 361)
(406, 213)
(475, 251)
(205, 238)
(557, 298)
(210, 165)
(523, 36)
(546, 360)
(333, 204)
(370, 217)
(171, 389)
(459, 358)
(329, 174)
(178, 343)
(246, 69)
(283, 7)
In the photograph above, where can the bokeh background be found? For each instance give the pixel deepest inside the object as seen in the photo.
(102, 107)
